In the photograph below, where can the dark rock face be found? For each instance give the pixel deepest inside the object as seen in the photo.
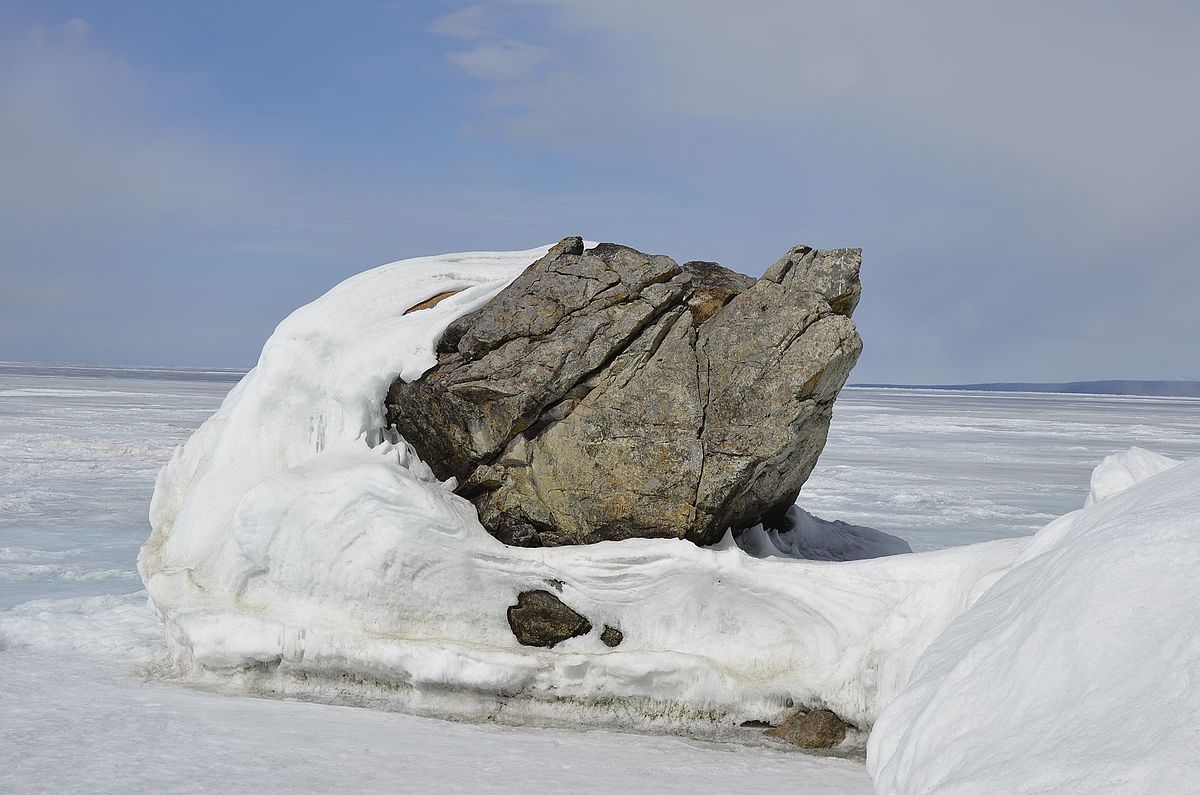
(539, 618)
(818, 728)
(611, 636)
(609, 394)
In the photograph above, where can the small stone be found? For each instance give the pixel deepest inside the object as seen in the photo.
(539, 618)
(818, 728)
(611, 636)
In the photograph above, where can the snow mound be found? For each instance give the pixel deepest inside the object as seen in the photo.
(1119, 471)
(108, 626)
(300, 548)
(1077, 670)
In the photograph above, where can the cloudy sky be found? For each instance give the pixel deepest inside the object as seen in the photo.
(1023, 176)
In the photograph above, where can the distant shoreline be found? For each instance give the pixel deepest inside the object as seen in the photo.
(1115, 387)
(60, 370)
(1130, 388)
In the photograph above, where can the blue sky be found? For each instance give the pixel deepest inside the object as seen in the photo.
(1023, 176)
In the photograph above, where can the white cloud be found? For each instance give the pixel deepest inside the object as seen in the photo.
(492, 57)
(500, 61)
(1066, 129)
(472, 22)
(1091, 102)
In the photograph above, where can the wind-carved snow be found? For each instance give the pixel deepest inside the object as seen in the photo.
(813, 538)
(1077, 671)
(1120, 471)
(300, 548)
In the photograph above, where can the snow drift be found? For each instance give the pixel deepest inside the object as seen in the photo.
(1077, 671)
(299, 547)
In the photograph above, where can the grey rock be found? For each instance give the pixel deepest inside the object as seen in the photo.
(609, 394)
(539, 618)
(818, 728)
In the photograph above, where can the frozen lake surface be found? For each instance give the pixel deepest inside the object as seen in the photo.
(79, 449)
(944, 468)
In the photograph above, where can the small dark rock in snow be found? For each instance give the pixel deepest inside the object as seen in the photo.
(539, 618)
(817, 728)
(611, 636)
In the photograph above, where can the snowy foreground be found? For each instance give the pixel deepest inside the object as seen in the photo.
(82, 712)
(1072, 670)
(301, 549)
(1079, 670)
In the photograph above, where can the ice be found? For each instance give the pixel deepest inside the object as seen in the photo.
(939, 469)
(83, 712)
(350, 563)
(79, 449)
(83, 705)
(298, 542)
(1077, 670)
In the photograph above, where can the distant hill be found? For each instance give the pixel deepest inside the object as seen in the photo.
(1140, 388)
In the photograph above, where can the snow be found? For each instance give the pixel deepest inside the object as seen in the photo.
(939, 469)
(78, 456)
(1077, 670)
(83, 711)
(1122, 470)
(297, 543)
(86, 704)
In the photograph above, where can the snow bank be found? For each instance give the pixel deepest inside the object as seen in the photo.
(79, 715)
(300, 548)
(1119, 471)
(1077, 671)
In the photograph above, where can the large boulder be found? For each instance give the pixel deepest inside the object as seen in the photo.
(609, 394)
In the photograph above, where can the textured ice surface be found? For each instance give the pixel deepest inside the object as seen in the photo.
(78, 456)
(939, 469)
(82, 713)
(890, 464)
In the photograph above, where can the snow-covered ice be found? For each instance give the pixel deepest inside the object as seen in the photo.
(939, 469)
(1078, 670)
(78, 449)
(81, 711)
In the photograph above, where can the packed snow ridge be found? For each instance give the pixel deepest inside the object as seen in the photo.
(299, 545)
(1077, 671)
(301, 548)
